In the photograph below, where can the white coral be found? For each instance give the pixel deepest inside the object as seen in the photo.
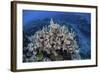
(58, 37)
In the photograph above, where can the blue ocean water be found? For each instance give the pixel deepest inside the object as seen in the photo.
(80, 22)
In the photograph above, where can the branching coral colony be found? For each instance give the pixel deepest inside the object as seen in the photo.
(53, 43)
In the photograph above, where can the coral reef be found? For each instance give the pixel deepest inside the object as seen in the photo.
(52, 43)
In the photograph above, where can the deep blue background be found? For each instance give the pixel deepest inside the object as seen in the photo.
(80, 22)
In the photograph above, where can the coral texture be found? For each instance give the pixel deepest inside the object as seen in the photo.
(53, 43)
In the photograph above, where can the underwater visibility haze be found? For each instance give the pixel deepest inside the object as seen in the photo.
(56, 36)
